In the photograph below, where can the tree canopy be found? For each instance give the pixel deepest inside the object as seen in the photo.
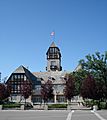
(69, 90)
(88, 88)
(4, 91)
(47, 91)
(26, 89)
(96, 65)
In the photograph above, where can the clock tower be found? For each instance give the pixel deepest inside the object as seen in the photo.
(53, 58)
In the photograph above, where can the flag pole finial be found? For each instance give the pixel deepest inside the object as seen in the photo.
(52, 35)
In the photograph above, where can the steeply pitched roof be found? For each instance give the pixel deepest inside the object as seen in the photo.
(56, 76)
(30, 76)
(20, 69)
(53, 44)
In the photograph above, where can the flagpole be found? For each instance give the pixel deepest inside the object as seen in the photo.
(52, 35)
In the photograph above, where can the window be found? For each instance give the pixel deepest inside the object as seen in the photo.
(24, 78)
(14, 97)
(61, 99)
(37, 99)
(18, 76)
(56, 50)
(56, 56)
(11, 78)
(51, 50)
(38, 87)
(53, 63)
(15, 76)
(18, 87)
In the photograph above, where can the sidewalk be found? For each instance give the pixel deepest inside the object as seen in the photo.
(79, 107)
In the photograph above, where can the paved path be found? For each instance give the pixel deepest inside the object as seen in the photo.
(33, 115)
(103, 113)
(53, 115)
(87, 115)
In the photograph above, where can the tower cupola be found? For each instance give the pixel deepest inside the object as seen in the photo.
(53, 58)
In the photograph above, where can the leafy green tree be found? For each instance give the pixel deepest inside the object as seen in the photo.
(96, 65)
(79, 76)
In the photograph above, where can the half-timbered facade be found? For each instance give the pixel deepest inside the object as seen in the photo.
(17, 80)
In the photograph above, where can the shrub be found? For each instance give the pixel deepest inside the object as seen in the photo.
(103, 105)
(14, 105)
(57, 106)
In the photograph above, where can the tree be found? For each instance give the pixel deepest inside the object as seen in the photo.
(50, 89)
(4, 92)
(79, 76)
(69, 90)
(47, 91)
(88, 88)
(26, 89)
(96, 65)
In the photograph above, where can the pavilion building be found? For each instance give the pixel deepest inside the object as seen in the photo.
(53, 72)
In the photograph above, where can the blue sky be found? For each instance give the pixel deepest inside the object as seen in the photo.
(25, 25)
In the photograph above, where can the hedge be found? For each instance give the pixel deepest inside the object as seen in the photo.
(57, 106)
(16, 105)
